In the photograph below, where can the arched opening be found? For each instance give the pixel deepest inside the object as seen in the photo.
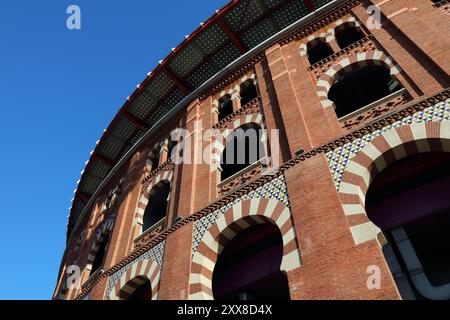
(225, 107)
(361, 87)
(138, 288)
(153, 158)
(100, 255)
(157, 205)
(317, 50)
(248, 92)
(244, 147)
(409, 202)
(171, 146)
(348, 34)
(249, 266)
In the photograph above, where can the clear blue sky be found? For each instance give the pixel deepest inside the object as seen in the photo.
(59, 89)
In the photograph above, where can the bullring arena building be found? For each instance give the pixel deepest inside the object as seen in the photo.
(347, 197)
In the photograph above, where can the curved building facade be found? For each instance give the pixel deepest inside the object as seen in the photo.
(288, 149)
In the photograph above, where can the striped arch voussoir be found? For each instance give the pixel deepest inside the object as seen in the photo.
(384, 150)
(242, 215)
(136, 275)
(144, 198)
(347, 65)
(102, 232)
(313, 40)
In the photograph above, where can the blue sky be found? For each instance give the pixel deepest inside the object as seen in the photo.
(59, 89)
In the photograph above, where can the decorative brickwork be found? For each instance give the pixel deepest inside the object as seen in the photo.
(212, 232)
(148, 265)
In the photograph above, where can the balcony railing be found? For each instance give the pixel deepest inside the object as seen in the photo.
(240, 177)
(151, 232)
(375, 109)
(92, 277)
(167, 165)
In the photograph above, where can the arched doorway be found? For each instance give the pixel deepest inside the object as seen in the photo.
(139, 288)
(249, 266)
(156, 208)
(409, 202)
(361, 87)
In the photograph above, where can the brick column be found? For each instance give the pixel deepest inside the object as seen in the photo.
(174, 284)
(305, 121)
(416, 35)
(332, 266)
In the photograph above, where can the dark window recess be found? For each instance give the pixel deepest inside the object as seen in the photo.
(412, 194)
(99, 256)
(157, 205)
(143, 292)
(243, 149)
(171, 146)
(153, 160)
(318, 51)
(248, 92)
(361, 87)
(249, 266)
(225, 107)
(348, 35)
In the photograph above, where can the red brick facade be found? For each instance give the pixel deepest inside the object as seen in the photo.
(330, 242)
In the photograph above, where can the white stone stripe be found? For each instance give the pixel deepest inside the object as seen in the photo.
(200, 296)
(143, 266)
(284, 216)
(290, 261)
(203, 261)
(359, 170)
(152, 270)
(349, 188)
(353, 209)
(364, 232)
(396, 144)
(271, 204)
(210, 242)
(197, 278)
(419, 133)
(133, 271)
(288, 236)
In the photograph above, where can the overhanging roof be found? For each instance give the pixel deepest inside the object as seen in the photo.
(231, 32)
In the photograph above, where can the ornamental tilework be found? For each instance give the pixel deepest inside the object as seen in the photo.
(156, 254)
(275, 189)
(339, 157)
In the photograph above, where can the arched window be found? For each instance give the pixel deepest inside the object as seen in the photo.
(244, 147)
(348, 34)
(248, 92)
(318, 49)
(157, 205)
(100, 255)
(409, 202)
(225, 107)
(139, 288)
(361, 87)
(172, 144)
(153, 158)
(249, 266)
